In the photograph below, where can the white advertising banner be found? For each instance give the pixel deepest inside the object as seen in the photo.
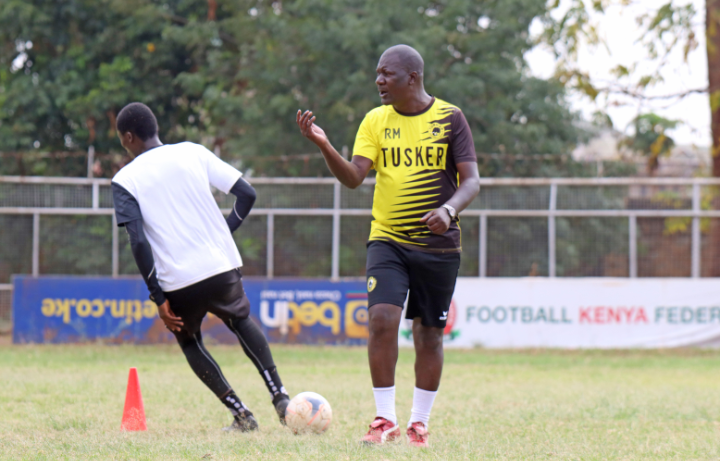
(582, 313)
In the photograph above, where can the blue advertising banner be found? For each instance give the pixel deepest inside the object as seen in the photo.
(79, 309)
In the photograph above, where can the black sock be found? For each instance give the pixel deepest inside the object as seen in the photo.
(274, 383)
(235, 405)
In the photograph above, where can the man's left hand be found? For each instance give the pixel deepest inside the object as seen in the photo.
(438, 221)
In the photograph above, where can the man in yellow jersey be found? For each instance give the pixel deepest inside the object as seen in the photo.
(423, 152)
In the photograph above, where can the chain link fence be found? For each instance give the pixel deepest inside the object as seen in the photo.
(307, 227)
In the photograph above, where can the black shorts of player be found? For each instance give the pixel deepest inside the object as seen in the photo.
(393, 270)
(221, 294)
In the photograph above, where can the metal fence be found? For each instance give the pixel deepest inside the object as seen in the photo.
(312, 227)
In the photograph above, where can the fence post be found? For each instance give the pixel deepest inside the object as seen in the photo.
(95, 195)
(551, 229)
(270, 245)
(36, 245)
(482, 259)
(632, 246)
(335, 270)
(695, 245)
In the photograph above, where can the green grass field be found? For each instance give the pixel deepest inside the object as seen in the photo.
(65, 402)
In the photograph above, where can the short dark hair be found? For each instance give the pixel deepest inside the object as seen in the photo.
(138, 119)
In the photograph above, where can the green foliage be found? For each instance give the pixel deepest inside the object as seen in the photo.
(60, 250)
(668, 26)
(674, 200)
(16, 250)
(650, 138)
(232, 77)
(592, 247)
(80, 62)
(517, 247)
(714, 101)
(649, 135)
(568, 26)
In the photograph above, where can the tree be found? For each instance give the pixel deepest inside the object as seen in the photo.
(669, 27)
(231, 74)
(66, 68)
(473, 54)
(712, 31)
(568, 27)
(650, 138)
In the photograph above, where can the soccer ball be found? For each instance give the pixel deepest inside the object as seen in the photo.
(308, 412)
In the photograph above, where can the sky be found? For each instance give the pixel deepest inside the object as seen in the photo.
(620, 31)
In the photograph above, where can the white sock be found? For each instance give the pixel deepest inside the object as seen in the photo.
(385, 403)
(422, 405)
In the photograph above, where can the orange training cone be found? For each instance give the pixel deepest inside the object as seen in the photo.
(134, 413)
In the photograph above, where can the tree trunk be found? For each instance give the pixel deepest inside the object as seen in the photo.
(212, 8)
(712, 28)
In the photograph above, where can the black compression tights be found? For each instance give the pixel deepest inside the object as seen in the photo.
(253, 343)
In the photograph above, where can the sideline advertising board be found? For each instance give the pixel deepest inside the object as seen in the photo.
(598, 313)
(79, 309)
(491, 312)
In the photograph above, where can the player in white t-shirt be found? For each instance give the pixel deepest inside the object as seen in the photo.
(184, 249)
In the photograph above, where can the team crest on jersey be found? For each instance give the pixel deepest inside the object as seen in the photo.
(437, 130)
(372, 283)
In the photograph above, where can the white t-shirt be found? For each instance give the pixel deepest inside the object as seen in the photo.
(188, 234)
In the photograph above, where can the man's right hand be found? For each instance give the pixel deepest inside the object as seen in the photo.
(350, 173)
(308, 129)
(172, 322)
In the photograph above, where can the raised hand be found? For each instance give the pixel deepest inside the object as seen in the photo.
(308, 128)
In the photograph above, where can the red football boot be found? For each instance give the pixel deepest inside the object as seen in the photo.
(381, 431)
(417, 435)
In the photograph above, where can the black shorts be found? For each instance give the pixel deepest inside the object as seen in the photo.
(221, 294)
(392, 270)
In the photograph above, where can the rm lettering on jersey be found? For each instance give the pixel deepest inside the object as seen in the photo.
(429, 157)
(392, 133)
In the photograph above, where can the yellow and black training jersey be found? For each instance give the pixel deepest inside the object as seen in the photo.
(416, 157)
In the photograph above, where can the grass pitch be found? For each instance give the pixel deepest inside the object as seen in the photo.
(65, 402)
